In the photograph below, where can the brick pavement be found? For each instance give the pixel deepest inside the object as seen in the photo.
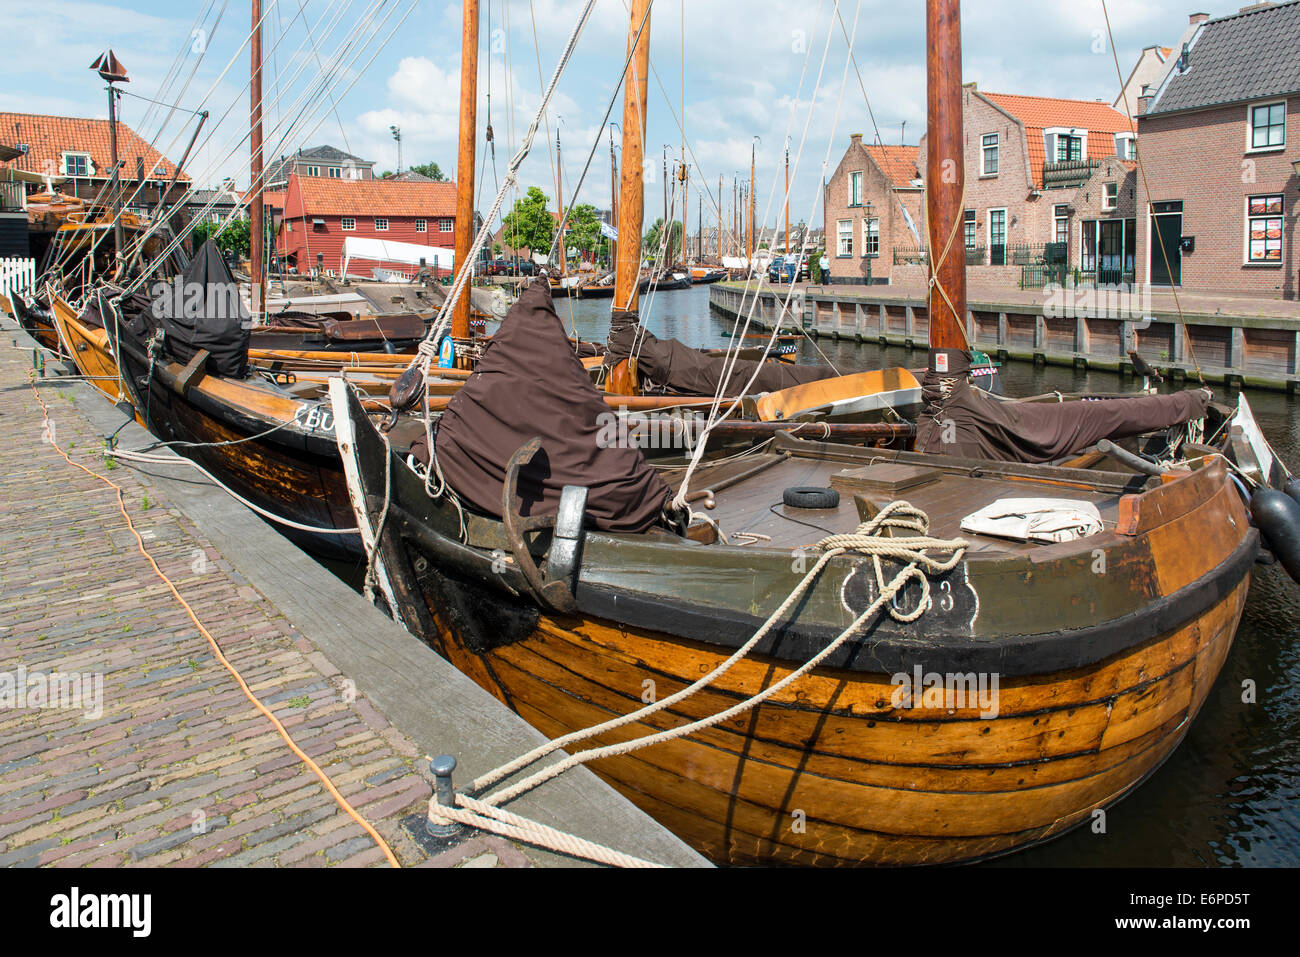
(175, 767)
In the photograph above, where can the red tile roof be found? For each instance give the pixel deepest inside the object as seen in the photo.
(896, 162)
(1038, 113)
(323, 196)
(47, 137)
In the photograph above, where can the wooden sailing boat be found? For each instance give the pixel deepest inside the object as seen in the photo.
(1099, 675)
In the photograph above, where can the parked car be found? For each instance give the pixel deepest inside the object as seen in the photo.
(788, 269)
(515, 266)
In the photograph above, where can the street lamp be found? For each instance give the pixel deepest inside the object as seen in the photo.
(867, 240)
(1296, 166)
(397, 135)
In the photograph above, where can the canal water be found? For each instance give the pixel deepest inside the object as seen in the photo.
(1230, 793)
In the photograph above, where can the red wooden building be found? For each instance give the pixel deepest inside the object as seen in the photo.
(320, 213)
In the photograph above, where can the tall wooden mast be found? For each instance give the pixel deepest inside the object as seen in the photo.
(257, 231)
(613, 199)
(720, 220)
(753, 151)
(559, 205)
(945, 173)
(465, 159)
(631, 202)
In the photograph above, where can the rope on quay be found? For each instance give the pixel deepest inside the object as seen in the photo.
(216, 648)
(870, 539)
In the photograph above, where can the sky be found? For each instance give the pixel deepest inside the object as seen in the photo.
(342, 72)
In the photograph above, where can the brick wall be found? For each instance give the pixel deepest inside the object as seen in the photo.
(1200, 158)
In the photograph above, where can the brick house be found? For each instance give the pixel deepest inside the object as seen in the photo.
(1220, 138)
(78, 152)
(864, 204)
(320, 213)
(328, 162)
(1025, 159)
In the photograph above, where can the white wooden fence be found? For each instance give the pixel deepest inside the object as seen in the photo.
(16, 275)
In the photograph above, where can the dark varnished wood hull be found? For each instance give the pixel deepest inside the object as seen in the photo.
(830, 772)
(293, 473)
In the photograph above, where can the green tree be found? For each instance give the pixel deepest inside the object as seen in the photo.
(655, 236)
(430, 170)
(815, 266)
(529, 224)
(233, 239)
(584, 227)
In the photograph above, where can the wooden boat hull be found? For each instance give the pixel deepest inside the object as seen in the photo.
(833, 771)
(293, 473)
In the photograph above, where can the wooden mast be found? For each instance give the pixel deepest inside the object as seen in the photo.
(465, 159)
(631, 202)
(559, 205)
(787, 202)
(753, 150)
(257, 231)
(945, 174)
(613, 199)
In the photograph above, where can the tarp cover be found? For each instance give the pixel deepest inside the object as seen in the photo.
(529, 383)
(676, 368)
(961, 420)
(201, 309)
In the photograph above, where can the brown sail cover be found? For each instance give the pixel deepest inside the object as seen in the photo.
(529, 383)
(980, 426)
(677, 368)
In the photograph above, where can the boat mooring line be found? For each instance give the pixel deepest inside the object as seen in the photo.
(130, 456)
(216, 648)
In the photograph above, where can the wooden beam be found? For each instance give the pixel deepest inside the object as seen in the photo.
(465, 161)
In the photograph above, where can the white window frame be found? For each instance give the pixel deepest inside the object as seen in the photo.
(335, 172)
(381, 224)
(985, 146)
(871, 231)
(77, 154)
(1250, 127)
(970, 218)
(1057, 218)
(1279, 216)
(1106, 204)
(855, 189)
(444, 225)
(421, 225)
(1129, 143)
(348, 224)
(843, 235)
(313, 170)
(1006, 228)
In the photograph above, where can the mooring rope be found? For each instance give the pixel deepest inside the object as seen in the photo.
(870, 539)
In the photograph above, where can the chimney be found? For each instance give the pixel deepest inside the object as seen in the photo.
(1256, 6)
(1196, 18)
(856, 139)
(1144, 99)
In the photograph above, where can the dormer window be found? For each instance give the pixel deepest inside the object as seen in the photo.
(1069, 148)
(76, 164)
(1125, 146)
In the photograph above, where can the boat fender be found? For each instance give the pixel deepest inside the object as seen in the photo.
(1292, 488)
(803, 496)
(1277, 516)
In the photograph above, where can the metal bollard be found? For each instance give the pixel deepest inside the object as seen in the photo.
(444, 794)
